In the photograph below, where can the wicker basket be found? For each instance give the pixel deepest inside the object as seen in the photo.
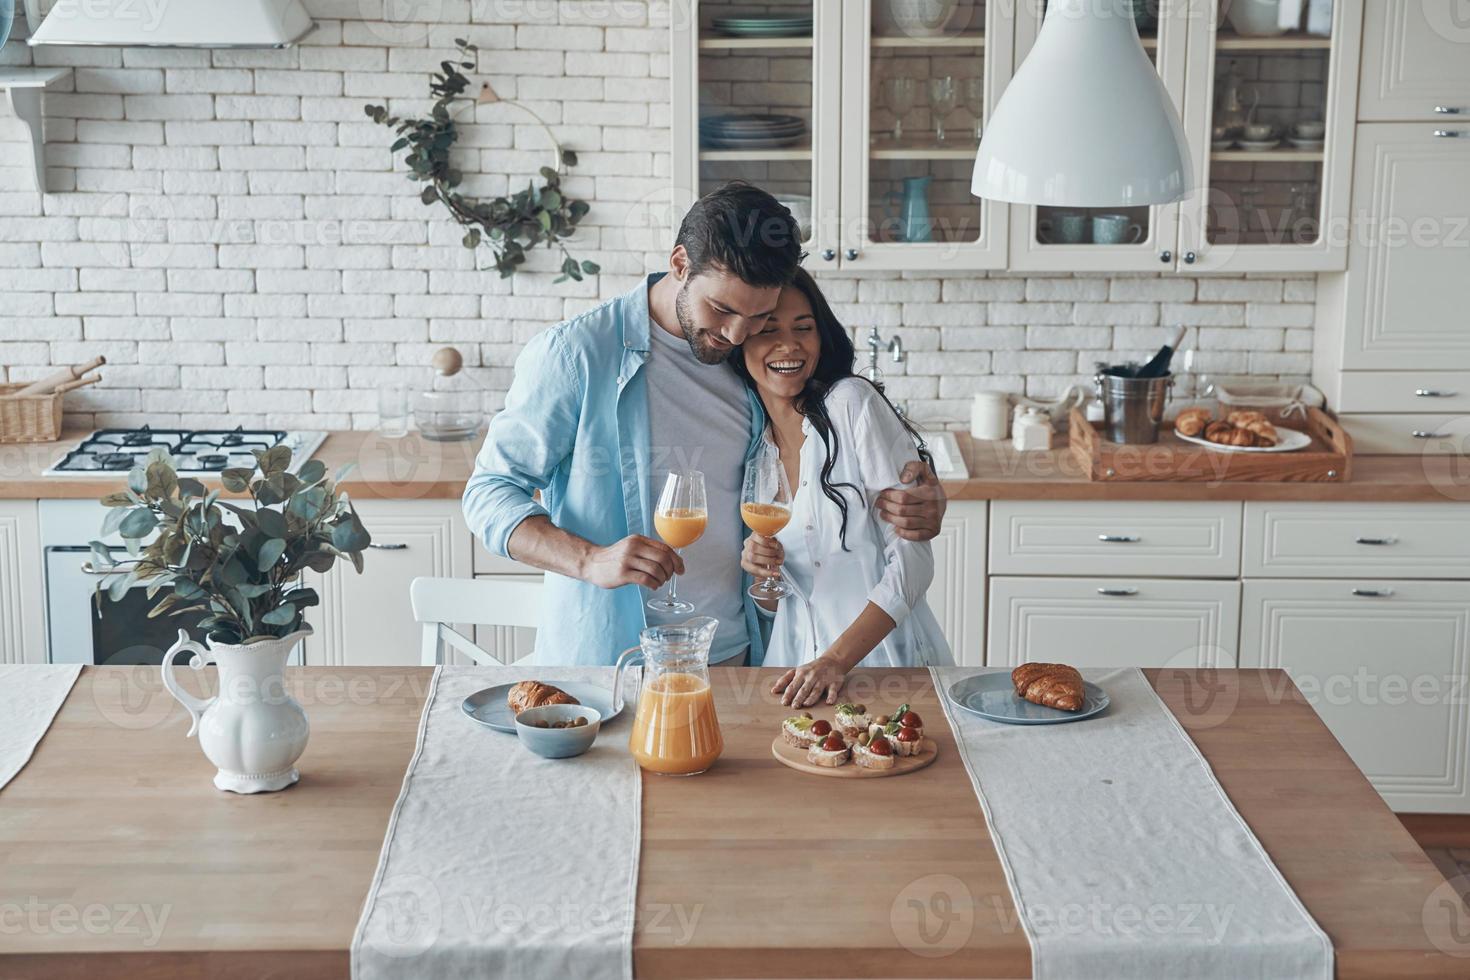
(33, 418)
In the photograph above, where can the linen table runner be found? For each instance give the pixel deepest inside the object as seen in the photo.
(1123, 854)
(30, 696)
(499, 863)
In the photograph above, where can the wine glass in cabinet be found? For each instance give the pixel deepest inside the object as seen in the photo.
(906, 163)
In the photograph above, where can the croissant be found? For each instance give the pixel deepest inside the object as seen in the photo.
(1192, 421)
(533, 694)
(1052, 685)
(1264, 432)
(1219, 431)
(1242, 419)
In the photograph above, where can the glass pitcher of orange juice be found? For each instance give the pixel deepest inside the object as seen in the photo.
(675, 731)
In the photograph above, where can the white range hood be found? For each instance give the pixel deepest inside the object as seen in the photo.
(170, 23)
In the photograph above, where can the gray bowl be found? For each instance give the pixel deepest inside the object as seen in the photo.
(558, 743)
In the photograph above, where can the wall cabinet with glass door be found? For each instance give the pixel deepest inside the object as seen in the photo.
(1269, 115)
(861, 115)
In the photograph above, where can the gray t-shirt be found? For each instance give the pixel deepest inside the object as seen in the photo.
(699, 419)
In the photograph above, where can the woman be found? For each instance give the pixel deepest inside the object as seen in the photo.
(858, 587)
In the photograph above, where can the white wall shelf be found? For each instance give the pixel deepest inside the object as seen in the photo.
(23, 89)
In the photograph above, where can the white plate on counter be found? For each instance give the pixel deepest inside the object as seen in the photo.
(488, 707)
(1290, 441)
(993, 696)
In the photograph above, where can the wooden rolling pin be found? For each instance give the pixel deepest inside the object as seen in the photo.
(79, 383)
(46, 385)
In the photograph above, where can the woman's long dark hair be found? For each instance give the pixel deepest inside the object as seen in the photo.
(834, 363)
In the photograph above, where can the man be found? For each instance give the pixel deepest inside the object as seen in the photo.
(604, 405)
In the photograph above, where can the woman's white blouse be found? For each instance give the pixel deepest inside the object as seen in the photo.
(832, 585)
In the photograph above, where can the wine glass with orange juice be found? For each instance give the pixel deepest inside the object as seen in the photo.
(765, 506)
(679, 519)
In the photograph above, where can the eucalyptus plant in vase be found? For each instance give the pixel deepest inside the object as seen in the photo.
(239, 563)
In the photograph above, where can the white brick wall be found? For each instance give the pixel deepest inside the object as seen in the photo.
(228, 229)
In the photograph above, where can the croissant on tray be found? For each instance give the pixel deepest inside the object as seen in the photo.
(533, 694)
(1052, 685)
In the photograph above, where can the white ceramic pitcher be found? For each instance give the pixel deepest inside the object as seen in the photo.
(252, 730)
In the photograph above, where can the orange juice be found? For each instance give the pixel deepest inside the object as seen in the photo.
(680, 527)
(765, 519)
(675, 731)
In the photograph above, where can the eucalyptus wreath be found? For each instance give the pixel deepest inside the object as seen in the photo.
(510, 225)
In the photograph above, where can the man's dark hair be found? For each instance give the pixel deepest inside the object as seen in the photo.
(743, 231)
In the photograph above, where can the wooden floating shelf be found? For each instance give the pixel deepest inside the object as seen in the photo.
(1267, 156)
(968, 40)
(748, 43)
(775, 153)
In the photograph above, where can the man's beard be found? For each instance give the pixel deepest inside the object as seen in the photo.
(703, 351)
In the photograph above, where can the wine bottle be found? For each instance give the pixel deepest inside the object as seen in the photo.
(1159, 365)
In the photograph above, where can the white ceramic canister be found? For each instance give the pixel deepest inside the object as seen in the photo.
(990, 415)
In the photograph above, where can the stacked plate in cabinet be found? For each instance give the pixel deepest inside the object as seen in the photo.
(774, 25)
(750, 131)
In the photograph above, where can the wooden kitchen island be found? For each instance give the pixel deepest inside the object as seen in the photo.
(749, 870)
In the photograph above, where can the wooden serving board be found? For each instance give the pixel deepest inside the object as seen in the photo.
(1328, 459)
(789, 755)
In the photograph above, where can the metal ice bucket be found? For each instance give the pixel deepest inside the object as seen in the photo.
(1133, 408)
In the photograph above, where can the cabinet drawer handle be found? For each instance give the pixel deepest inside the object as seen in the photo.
(1432, 393)
(1117, 592)
(1373, 593)
(1389, 540)
(388, 547)
(1449, 134)
(1118, 538)
(1421, 434)
(1448, 110)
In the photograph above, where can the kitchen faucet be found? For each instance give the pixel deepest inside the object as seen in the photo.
(872, 373)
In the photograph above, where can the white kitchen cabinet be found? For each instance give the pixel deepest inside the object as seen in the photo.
(1404, 306)
(1115, 537)
(1408, 435)
(1254, 209)
(957, 594)
(22, 597)
(852, 170)
(366, 620)
(1107, 622)
(1384, 662)
(1037, 232)
(1415, 62)
(1346, 540)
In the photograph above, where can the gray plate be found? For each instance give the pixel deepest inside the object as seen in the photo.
(488, 707)
(993, 696)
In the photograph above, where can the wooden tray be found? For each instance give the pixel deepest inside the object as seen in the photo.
(1329, 459)
(789, 755)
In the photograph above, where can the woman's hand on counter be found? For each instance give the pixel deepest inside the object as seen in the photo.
(811, 682)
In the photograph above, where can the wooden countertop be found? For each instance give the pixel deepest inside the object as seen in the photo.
(413, 468)
(116, 811)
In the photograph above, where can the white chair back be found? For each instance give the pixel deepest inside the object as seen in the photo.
(495, 601)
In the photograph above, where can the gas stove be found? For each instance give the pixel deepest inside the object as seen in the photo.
(196, 452)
